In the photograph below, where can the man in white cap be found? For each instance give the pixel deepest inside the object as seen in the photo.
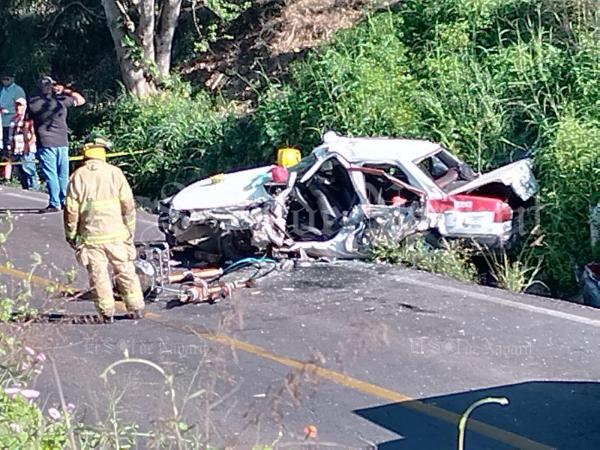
(9, 92)
(22, 145)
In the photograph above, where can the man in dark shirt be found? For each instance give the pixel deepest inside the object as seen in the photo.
(48, 108)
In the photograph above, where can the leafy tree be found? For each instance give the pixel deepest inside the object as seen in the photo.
(143, 33)
(66, 39)
(71, 40)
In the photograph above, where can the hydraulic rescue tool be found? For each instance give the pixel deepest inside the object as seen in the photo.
(196, 285)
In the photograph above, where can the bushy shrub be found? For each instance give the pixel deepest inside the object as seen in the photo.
(569, 175)
(22, 425)
(451, 259)
(358, 85)
(174, 130)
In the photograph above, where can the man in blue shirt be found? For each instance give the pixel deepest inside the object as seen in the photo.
(48, 109)
(9, 94)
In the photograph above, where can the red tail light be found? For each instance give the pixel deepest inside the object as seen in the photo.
(440, 205)
(503, 213)
(471, 203)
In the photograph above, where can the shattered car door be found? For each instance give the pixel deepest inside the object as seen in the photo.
(323, 210)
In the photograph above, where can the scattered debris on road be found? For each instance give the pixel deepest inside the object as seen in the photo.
(192, 285)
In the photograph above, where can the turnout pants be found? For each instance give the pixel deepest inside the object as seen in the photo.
(120, 256)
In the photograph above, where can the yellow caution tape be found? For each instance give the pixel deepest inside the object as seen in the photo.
(74, 158)
(109, 155)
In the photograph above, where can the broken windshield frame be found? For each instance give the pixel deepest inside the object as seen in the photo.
(304, 165)
(446, 170)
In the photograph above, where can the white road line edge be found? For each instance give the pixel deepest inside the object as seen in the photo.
(502, 301)
(39, 200)
(26, 197)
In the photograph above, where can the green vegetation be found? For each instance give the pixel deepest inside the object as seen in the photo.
(360, 85)
(176, 129)
(23, 424)
(451, 259)
(493, 80)
(569, 173)
(516, 274)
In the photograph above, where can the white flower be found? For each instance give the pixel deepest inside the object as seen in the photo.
(41, 357)
(54, 413)
(29, 350)
(30, 394)
(15, 427)
(12, 390)
(70, 407)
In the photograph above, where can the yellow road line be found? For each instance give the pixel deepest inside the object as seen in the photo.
(338, 378)
(15, 273)
(364, 387)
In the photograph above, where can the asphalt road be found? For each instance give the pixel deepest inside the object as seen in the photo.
(370, 355)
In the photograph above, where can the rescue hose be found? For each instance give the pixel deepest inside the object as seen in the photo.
(247, 262)
(199, 289)
(258, 263)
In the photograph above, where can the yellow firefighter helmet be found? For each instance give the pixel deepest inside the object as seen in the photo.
(95, 148)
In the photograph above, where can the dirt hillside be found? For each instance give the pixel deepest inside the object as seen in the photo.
(270, 35)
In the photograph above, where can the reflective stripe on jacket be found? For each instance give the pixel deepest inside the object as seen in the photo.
(99, 206)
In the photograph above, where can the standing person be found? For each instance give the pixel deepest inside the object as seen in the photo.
(48, 108)
(9, 92)
(22, 143)
(99, 225)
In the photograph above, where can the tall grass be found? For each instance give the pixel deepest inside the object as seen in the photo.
(569, 172)
(175, 130)
(360, 84)
(451, 259)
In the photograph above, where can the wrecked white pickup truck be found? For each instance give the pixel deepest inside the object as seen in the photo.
(345, 194)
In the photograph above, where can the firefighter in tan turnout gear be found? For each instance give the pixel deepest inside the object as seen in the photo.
(99, 225)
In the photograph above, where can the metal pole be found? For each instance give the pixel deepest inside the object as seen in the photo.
(462, 423)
